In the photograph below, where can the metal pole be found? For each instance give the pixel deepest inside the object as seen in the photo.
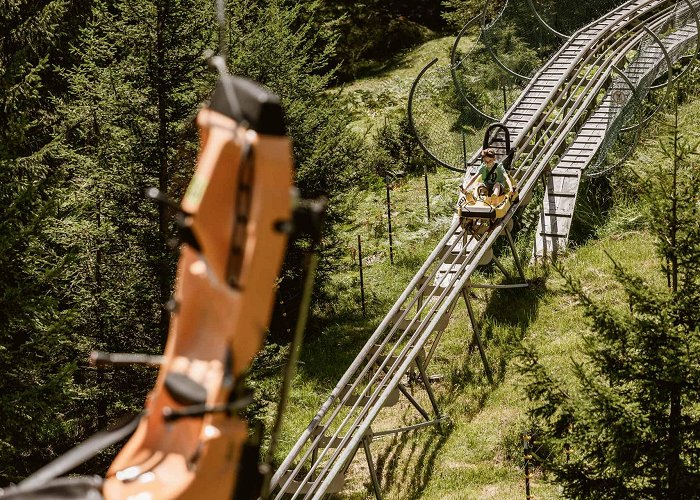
(427, 194)
(477, 336)
(362, 281)
(516, 258)
(388, 213)
(428, 387)
(372, 471)
(290, 368)
(505, 99)
(464, 148)
(500, 266)
(527, 456)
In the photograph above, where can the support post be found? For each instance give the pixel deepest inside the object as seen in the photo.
(412, 400)
(372, 471)
(464, 148)
(516, 258)
(362, 281)
(527, 456)
(428, 387)
(477, 336)
(500, 266)
(388, 213)
(427, 194)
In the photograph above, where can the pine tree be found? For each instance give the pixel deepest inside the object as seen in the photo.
(100, 99)
(127, 126)
(37, 352)
(283, 48)
(632, 414)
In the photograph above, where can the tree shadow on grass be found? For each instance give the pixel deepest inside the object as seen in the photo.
(503, 318)
(327, 357)
(407, 462)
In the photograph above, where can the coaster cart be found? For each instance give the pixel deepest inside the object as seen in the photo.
(477, 209)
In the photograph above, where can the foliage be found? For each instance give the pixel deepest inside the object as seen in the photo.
(397, 147)
(458, 12)
(373, 31)
(37, 343)
(631, 415)
(126, 126)
(100, 102)
(565, 16)
(281, 47)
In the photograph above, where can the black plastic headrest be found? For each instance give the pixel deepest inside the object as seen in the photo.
(260, 108)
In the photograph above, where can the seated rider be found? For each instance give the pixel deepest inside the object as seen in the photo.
(492, 173)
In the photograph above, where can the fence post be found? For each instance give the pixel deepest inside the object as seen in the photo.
(427, 194)
(527, 455)
(388, 212)
(362, 281)
(464, 148)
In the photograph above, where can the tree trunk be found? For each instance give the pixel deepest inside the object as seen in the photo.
(164, 270)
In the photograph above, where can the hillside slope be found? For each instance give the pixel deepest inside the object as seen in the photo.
(479, 455)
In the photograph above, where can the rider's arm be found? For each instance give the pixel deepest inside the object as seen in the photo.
(511, 187)
(503, 174)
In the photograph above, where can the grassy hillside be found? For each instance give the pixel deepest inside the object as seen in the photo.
(479, 453)
(386, 91)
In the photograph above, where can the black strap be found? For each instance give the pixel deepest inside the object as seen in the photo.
(81, 453)
(493, 169)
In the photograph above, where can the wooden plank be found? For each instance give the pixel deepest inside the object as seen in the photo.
(557, 214)
(562, 185)
(404, 323)
(335, 486)
(351, 399)
(552, 204)
(555, 226)
(560, 172)
(548, 247)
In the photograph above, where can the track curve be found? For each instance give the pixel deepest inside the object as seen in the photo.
(564, 105)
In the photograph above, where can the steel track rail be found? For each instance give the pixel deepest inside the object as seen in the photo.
(560, 196)
(559, 90)
(616, 16)
(675, 50)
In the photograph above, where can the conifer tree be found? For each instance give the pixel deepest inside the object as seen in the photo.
(127, 126)
(129, 119)
(284, 48)
(100, 100)
(631, 416)
(37, 350)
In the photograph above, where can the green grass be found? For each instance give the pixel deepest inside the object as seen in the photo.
(386, 90)
(479, 454)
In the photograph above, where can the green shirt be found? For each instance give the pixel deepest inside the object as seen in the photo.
(498, 174)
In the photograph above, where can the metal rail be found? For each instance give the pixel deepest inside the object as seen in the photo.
(557, 102)
(606, 123)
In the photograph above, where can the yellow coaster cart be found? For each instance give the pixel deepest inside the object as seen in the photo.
(477, 209)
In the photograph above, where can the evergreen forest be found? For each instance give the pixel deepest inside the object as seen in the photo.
(597, 361)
